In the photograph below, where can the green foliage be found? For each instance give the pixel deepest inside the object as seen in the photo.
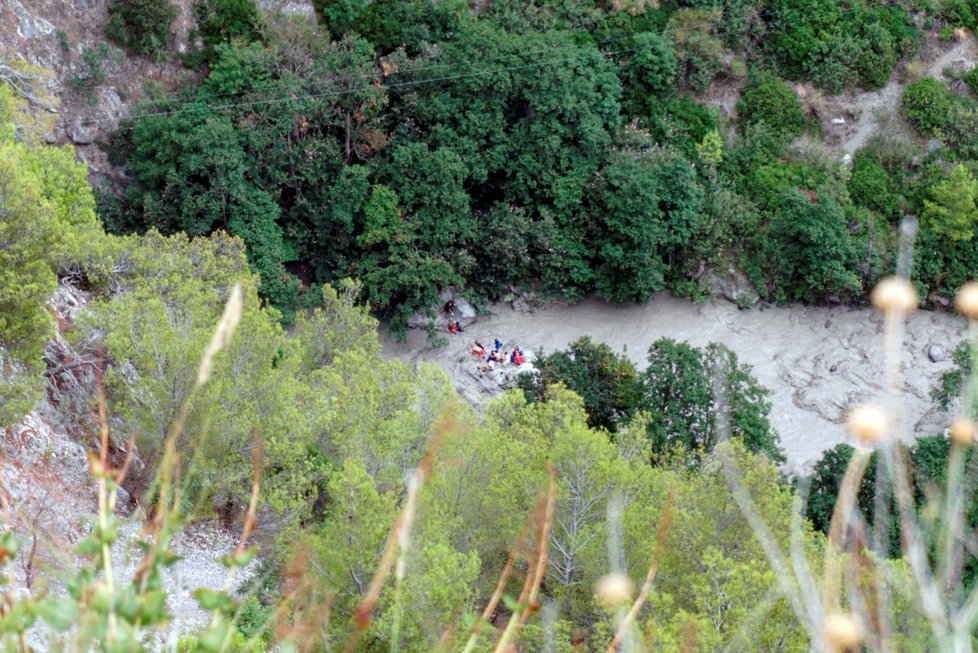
(607, 382)
(951, 210)
(927, 462)
(94, 74)
(651, 71)
(47, 226)
(803, 248)
(971, 79)
(956, 14)
(698, 49)
(417, 145)
(833, 44)
(222, 21)
(201, 172)
(825, 482)
(699, 397)
(926, 105)
(141, 26)
(389, 25)
(767, 99)
(646, 208)
(872, 187)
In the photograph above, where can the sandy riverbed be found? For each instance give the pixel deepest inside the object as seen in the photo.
(817, 361)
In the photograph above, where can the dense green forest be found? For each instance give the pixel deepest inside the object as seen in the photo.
(550, 149)
(349, 169)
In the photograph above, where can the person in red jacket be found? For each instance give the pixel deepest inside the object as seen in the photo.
(518, 356)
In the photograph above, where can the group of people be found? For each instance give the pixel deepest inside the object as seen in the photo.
(454, 326)
(487, 361)
(496, 355)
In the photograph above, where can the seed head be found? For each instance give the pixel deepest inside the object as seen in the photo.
(615, 589)
(894, 294)
(222, 334)
(843, 632)
(962, 431)
(868, 423)
(966, 300)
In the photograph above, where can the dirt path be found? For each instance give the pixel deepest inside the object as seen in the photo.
(866, 110)
(817, 361)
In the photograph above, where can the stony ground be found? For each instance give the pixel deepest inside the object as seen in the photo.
(45, 481)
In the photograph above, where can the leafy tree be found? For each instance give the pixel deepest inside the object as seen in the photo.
(767, 99)
(221, 21)
(393, 24)
(698, 49)
(141, 26)
(833, 45)
(28, 231)
(805, 248)
(928, 460)
(952, 211)
(699, 397)
(47, 226)
(712, 572)
(651, 70)
(154, 331)
(646, 209)
(529, 136)
(607, 382)
(346, 548)
(825, 483)
(871, 186)
(194, 175)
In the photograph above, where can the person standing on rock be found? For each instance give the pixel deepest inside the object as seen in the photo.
(498, 344)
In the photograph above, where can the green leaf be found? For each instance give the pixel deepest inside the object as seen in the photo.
(89, 546)
(58, 613)
(213, 600)
(19, 618)
(241, 559)
(213, 639)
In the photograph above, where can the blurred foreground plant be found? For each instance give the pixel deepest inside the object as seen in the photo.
(100, 612)
(853, 605)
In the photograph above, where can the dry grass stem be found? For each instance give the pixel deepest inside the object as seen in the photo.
(536, 572)
(662, 534)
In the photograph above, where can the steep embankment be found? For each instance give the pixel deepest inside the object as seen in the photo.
(816, 361)
(848, 120)
(44, 478)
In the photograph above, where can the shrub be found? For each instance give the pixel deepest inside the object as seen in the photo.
(927, 105)
(220, 21)
(768, 99)
(951, 210)
(833, 45)
(971, 79)
(871, 186)
(958, 13)
(141, 26)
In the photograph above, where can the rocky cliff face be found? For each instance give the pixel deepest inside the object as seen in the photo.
(95, 82)
(49, 497)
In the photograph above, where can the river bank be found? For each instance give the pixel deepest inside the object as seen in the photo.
(816, 360)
